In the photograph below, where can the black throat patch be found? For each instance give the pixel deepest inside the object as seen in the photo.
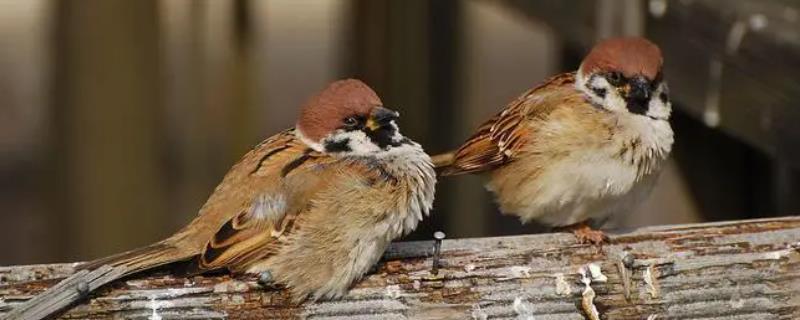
(639, 107)
(382, 137)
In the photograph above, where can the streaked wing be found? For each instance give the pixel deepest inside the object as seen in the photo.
(271, 218)
(245, 237)
(259, 205)
(501, 138)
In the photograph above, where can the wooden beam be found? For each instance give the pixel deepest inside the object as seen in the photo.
(741, 269)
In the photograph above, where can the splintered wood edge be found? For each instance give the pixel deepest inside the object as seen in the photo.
(736, 269)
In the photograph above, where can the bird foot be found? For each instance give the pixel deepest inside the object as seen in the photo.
(585, 234)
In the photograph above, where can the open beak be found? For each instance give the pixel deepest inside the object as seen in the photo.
(380, 117)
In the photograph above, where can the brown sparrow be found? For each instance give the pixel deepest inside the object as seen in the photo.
(311, 208)
(583, 145)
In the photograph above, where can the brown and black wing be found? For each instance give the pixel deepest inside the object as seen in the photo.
(285, 178)
(501, 138)
(244, 238)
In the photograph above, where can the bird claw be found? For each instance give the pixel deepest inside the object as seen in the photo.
(586, 235)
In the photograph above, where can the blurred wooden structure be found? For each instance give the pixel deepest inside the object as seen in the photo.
(124, 115)
(727, 270)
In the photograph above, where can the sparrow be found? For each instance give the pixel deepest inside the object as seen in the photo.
(581, 146)
(312, 208)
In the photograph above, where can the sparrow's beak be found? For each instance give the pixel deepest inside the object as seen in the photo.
(380, 117)
(637, 93)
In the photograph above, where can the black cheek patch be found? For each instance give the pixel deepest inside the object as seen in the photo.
(600, 92)
(338, 146)
(663, 97)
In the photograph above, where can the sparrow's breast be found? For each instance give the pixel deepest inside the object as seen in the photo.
(414, 185)
(583, 173)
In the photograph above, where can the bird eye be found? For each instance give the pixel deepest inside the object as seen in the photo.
(615, 78)
(351, 121)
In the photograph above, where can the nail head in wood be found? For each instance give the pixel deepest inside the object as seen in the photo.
(437, 249)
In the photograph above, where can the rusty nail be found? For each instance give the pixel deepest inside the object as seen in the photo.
(438, 236)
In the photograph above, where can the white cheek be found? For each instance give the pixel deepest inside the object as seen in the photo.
(658, 109)
(358, 142)
(361, 144)
(612, 100)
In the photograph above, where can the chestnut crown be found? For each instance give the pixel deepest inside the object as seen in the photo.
(330, 109)
(630, 56)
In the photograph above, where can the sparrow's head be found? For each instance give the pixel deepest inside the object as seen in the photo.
(348, 118)
(624, 75)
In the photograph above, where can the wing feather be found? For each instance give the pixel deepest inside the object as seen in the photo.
(251, 221)
(501, 138)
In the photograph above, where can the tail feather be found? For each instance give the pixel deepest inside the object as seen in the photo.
(94, 275)
(151, 256)
(443, 160)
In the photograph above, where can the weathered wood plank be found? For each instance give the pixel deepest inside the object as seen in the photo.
(728, 270)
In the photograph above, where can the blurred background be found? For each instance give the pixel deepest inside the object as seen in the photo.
(118, 117)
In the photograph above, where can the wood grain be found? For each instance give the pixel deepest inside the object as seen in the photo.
(727, 270)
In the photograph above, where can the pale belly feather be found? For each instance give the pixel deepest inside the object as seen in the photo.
(588, 185)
